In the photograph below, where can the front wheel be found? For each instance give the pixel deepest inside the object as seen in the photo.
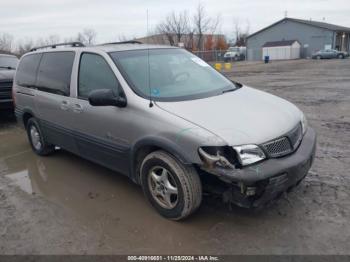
(37, 140)
(341, 56)
(172, 188)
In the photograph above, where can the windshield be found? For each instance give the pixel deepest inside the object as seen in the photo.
(172, 74)
(8, 62)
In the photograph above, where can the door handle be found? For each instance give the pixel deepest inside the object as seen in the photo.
(78, 108)
(64, 105)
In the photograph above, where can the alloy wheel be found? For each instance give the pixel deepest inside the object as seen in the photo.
(163, 187)
(35, 137)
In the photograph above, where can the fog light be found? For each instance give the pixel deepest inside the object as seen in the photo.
(247, 190)
(250, 191)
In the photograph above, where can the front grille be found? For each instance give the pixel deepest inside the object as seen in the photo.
(284, 145)
(6, 90)
(278, 147)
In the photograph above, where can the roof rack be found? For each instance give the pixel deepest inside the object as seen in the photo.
(72, 44)
(124, 42)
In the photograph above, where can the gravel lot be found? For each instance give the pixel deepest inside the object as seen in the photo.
(65, 205)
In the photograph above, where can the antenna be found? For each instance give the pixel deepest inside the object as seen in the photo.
(149, 68)
(286, 13)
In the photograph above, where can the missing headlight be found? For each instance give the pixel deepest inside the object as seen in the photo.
(218, 156)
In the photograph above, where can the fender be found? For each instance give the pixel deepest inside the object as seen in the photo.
(19, 112)
(160, 142)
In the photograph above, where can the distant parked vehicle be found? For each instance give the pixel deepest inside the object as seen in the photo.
(235, 54)
(329, 54)
(8, 64)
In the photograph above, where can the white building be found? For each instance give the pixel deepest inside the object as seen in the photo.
(281, 50)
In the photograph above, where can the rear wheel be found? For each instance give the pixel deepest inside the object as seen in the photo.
(318, 57)
(341, 56)
(172, 188)
(36, 139)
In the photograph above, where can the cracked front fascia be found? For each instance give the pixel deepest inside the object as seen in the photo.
(293, 163)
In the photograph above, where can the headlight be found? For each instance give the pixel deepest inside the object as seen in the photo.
(303, 123)
(249, 154)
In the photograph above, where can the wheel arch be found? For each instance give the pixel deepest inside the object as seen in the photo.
(147, 145)
(26, 114)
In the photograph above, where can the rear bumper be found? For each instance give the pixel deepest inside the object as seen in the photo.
(256, 185)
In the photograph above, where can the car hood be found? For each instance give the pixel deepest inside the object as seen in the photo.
(6, 74)
(243, 116)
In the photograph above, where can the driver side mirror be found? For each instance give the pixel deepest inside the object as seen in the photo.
(106, 97)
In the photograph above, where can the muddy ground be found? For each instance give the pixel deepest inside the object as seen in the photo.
(65, 205)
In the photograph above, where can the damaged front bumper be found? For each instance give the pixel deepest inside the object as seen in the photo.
(256, 185)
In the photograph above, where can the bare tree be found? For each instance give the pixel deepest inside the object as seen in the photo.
(164, 28)
(88, 36)
(174, 27)
(179, 24)
(204, 24)
(6, 42)
(24, 46)
(189, 41)
(50, 40)
(240, 33)
(80, 38)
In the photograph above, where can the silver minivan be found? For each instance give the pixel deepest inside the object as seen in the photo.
(166, 119)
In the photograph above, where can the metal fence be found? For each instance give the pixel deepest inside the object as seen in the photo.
(211, 55)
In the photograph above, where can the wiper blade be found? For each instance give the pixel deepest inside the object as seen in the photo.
(229, 90)
(8, 67)
(237, 86)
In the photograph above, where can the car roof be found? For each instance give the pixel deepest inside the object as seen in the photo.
(108, 48)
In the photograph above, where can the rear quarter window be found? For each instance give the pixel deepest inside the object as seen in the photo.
(54, 74)
(27, 70)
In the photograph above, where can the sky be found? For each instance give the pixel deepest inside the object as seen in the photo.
(113, 19)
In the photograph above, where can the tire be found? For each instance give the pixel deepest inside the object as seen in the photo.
(36, 139)
(318, 57)
(341, 56)
(157, 183)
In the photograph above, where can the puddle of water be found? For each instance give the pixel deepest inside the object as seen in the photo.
(116, 209)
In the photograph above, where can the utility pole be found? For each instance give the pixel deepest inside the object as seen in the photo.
(147, 32)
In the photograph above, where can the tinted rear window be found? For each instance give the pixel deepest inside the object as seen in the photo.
(54, 73)
(27, 69)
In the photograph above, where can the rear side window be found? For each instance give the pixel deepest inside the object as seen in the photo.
(95, 73)
(55, 72)
(27, 69)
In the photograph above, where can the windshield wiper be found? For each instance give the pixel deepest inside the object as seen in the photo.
(237, 86)
(229, 90)
(8, 67)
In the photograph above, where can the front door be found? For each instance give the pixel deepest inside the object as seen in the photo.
(100, 130)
